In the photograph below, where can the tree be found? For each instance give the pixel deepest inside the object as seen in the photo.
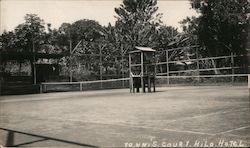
(222, 25)
(89, 33)
(220, 29)
(137, 22)
(86, 30)
(28, 36)
(166, 35)
(7, 41)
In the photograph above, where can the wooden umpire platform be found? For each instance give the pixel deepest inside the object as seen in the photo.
(142, 69)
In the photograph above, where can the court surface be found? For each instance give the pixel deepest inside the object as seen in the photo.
(173, 116)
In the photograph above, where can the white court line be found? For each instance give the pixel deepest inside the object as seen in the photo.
(133, 126)
(191, 132)
(204, 115)
(228, 131)
(124, 125)
(155, 128)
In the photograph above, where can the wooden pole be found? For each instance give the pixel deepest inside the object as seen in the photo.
(198, 66)
(100, 53)
(142, 73)
(70, 60)
(41, 88)
(122, 64)
(80, 86)
(34, 62)
(122, 70)
(232, 65)
(167, 67)
(153, 79)
(249, 87)
(131, 87)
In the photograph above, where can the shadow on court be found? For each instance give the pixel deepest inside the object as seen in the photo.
(10, 141)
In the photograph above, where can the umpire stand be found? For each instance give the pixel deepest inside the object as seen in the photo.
(142, 69)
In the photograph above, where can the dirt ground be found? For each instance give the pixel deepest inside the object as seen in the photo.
(173, 116)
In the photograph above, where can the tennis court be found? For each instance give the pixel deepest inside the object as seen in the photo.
(192, 116)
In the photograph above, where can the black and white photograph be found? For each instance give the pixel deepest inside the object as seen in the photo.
(124, 73)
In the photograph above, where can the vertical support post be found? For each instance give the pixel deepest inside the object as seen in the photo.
(167, 67)
(122, 71)
(122, 65)
(232, 66)
(149, 83)
(41, 88)
(142, 73)
(100, 53)
(80, 86)
(131, 85)
(34, 70)
(45, 88)
(70, 60)
(248, 85)
(34, 62)
(154, 78)
(2, 68)
(10, 139)
(198, 66)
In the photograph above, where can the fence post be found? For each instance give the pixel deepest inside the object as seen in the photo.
(142, 72)
(41, 88)
(122, 71)
(232, 66)
(45, 88)
(167, 67)
(100, 53)
(249, 84)
(130, 76)
(198, 66)
(80, 86)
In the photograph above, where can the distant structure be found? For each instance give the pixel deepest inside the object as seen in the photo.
(18, 82)
(142, 69)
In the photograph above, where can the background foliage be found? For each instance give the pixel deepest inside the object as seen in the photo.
(221, 28)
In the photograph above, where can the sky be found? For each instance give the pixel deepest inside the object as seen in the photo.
(57, 12)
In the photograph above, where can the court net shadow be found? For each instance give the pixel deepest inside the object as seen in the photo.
(10, 140)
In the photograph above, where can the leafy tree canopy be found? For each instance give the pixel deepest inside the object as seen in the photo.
(223, 25)
(25, 35)
(137, 22)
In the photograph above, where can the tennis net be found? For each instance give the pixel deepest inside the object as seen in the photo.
(232, 79)
(85, 85)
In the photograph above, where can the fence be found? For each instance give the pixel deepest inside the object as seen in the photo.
(192, 69)
(202, 80)
(196, 67)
